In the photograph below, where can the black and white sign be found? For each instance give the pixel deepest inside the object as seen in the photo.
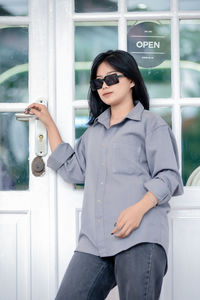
(149, 43)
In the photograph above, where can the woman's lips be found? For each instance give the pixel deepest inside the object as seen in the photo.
(107, 94)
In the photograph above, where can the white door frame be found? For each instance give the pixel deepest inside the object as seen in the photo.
(33, 212)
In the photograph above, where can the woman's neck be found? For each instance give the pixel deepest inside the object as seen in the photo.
(118, 112)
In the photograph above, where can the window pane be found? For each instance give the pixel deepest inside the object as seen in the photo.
(14, 152)
(147, 5)
(190, 58)
(81, 119)
(13, 7)
(13, 64)
(191, 145)
(95, 5)
(189, 4)
(149, 43)
(164, 112)
(91, 38)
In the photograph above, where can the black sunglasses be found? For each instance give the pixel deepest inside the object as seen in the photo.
(111, 79)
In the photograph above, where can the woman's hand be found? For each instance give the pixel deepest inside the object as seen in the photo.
(41, 112)
(128, 220)
(131, 217)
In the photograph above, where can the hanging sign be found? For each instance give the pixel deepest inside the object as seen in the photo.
(149, 43)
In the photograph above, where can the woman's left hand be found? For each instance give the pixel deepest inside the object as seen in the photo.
(128, 220)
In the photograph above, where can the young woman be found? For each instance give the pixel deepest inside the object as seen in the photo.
(128, 161)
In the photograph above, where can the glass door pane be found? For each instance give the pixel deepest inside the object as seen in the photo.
(189, 4)
(91, 38)
(14, 153)
(95, 6)
(147, 5)
(191, 145)
(190, 58)
(13, 7)
(150, 44)
(13, 63)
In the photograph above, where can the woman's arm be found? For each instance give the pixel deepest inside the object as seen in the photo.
(42, 113)
(130, 218)
(68, 162)
(165, 181)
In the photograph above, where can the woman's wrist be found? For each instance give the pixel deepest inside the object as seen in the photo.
(146, 203)
(51, 125)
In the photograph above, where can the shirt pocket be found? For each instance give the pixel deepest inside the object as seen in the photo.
(125, 158)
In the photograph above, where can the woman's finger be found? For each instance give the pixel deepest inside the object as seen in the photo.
(123, 231)
(35, 112)
(37, 106)
(118, 227)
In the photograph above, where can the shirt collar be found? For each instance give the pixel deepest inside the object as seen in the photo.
(134, 114)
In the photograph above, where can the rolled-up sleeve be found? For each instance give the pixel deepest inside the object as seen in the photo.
(163, 162)
(68, 162)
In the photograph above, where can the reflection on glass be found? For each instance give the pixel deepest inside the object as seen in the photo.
(149, 43)
(13, 64)
(81, 119)
(191, 145)
(91, 38)
(190, 58)
(147, 5)
(189, 5)
(14, 152)
(163, 112)
(95, 6)
(13, 7)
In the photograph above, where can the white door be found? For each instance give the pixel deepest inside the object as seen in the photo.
(166, 48)
(27, 264)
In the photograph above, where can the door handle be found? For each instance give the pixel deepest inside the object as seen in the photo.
(41, 144)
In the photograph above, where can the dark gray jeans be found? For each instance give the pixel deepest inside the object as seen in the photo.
(138, 272)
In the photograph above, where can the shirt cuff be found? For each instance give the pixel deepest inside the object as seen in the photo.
(158, 188)
(59, 156)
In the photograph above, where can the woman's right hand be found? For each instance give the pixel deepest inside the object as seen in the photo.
(41, 112)
(44, 116)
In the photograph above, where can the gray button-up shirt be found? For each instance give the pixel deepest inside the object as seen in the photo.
(118, 164)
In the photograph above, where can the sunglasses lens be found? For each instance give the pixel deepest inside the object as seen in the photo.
(96, 84)
(111, 79)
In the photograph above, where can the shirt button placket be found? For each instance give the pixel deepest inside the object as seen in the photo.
(99, 200)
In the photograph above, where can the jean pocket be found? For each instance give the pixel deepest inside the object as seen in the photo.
(125, 158)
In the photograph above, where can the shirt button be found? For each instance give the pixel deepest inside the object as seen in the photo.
(102, 164)
(99, 201)
(102, 182)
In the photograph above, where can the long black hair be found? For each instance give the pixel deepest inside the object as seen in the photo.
(122, 62)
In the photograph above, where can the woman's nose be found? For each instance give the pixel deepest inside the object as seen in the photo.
(104, 85)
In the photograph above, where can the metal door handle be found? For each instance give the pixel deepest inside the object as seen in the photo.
(24, 117)
(41, 145)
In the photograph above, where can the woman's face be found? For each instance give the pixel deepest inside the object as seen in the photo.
(117, 93)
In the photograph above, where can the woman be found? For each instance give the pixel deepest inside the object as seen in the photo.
(128, 161)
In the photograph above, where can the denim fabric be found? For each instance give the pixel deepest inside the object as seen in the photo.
(138, 272)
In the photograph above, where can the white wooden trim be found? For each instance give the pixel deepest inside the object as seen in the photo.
(14, 20)
(52, 107)
(122, 26)
(13, 107)
(158, 15)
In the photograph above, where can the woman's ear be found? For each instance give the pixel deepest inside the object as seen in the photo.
(132, 83)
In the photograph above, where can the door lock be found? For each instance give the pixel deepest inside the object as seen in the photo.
(38, 166)
(40, 130)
